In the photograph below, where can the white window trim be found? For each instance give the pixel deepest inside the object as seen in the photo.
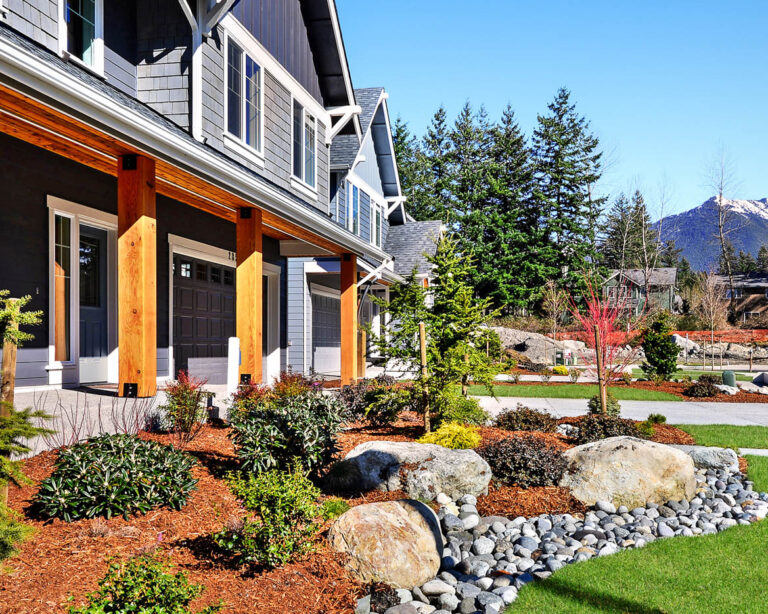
(79, 214)
(239, 145)
(299, 183)
(98, 39)
(351, 187)
(376, 208)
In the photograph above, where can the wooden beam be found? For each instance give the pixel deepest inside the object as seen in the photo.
(137, 275)
(348, 318)
(248, 291)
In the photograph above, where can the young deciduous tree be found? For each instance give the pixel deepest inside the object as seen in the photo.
(554, 304)
(711, 305)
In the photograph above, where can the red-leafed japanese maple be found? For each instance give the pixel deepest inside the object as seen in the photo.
(599, 316)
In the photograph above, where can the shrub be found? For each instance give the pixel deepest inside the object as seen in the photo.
(185, 411)
(12, 532)
(489, 342)
(626, 377)
(524, 418)
(454, 436)
(115, 474)
(356, 397)
(574, 374)
(292, 384)
(285, 504)
(16, 429)
(302, 427)
(546, 375)
(656, 419)
(560, 370)
(646, 429)
(613, 406)
(144, 586)
(455, 407)
(705, 386)
(385, 404)
(660, 349)
(524, 461)
(596, 427)
(249, 398)
(333, 508)
(514, 378)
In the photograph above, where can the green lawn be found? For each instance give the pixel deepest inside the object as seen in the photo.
(727, 435)
(695, 374)
(758, 471)
(573, 391)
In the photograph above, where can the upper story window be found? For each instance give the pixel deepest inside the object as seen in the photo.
(304, 145)
(80, 31)
(244, 97)
(736, 293)
(353, 209)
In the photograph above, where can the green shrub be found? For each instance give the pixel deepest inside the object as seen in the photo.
(185, 411)
(302, 427)
(660, 349)
(524, 418)
(546, 375)
(596, 427)
(574, 374)
(286, 508)
(705, 386)
(453, 435)
(143, 585)
(560, 370)
(12, 532)
(356, 397)
(489, 342)
(455, 407)
(16, 429)
(613, 405)
(386, 404)
(249, 398)
(334, 507)
(626, 377)
(656, 419)
(524, 461)
(292, 384)
(646, 429)
(115, 475)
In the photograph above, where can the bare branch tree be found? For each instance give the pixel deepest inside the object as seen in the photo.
(711, 306)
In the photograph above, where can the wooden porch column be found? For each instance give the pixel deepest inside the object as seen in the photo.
(348, 318)
(137, 275)
(249, 292)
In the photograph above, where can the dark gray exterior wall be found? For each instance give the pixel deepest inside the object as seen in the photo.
(120, 44)
(37, 19)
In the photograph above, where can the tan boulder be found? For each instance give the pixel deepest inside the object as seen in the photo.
(629, 471)
(395, 542)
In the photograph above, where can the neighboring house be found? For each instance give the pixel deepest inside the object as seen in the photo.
(631, 289)
(750, 294)
(164, 162)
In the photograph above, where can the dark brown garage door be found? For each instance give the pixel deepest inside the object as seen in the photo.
(203, 310)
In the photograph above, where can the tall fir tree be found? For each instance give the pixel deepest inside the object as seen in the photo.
(762, 259)
(745, 263)
(409, 166)
(728, 256)
(435, 198)
(568, 165)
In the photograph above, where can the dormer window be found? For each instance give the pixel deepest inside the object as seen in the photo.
(80, 31)
(304, 145)
(244, 97)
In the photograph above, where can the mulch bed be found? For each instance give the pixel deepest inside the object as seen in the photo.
(511, 501)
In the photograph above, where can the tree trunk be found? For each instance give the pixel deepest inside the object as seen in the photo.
(7, 387)
(601, 383)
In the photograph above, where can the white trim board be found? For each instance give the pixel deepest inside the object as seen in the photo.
(321, 290)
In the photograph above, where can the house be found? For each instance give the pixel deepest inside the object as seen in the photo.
(637, 294)
(165, 166)
(750, 293)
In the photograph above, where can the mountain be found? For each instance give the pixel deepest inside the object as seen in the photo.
(694, 231)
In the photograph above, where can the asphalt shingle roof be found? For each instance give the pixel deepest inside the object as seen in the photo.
(345, 146)
(665, 276)
(409, 245)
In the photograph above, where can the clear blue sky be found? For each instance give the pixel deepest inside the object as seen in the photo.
(664, 84)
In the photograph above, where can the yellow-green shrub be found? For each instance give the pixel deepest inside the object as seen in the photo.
(453, 435)
(560, 370)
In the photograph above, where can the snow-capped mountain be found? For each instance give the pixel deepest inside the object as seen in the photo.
(694, 231)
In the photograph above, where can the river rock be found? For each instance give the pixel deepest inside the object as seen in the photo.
(629, 471)
(421, 470)
(395, 542)
(710, 457)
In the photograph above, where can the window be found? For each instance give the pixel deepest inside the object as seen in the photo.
(304, 144)
(736, 293)
(62, 280)
(215, 275)
(229, 277)
(244, 97)
(90, 273)
(186, 269)
(376, 230)
(201, 272)
(353, 210)
(80, 31)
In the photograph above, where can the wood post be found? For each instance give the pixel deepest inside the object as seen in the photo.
(249, 291)
(349, 326)
(361, 347)
(424, 373)
(8, 383)
(137, 276)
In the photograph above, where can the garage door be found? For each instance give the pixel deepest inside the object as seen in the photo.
(203, 316)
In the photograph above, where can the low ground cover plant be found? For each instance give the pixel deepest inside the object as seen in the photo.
(185, 408)
(285, 519)
(705, 386)
(524, 461)
(453, 435)
(114, 475)
(143, 585)
(524, 418)
(599, 426)
(613, 407)
(560, 370)
(277, 433)
(12, 532)
(334, 507)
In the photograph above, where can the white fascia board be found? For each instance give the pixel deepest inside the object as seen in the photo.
(385, 97)
(104, 114)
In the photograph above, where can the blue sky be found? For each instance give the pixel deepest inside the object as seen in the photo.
(665, 85)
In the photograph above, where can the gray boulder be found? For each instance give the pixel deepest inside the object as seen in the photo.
(710, 457)
(629, 471)
(421, 470)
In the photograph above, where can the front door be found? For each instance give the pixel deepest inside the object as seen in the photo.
(94, 319)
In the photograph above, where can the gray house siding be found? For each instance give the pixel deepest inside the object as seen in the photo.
(120, 44)
(297, 320)
(368, 170)
(384, 228)
(365, 216)
(279, 26)
(37, 19)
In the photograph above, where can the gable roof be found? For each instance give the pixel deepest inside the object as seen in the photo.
(748, 280)
(409, 244)
(664, 276)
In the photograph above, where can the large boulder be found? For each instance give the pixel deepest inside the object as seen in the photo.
(710, 457)
(629, 471)
(396, 542)
(421, 470)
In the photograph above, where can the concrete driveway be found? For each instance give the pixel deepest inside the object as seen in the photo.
(681, 412)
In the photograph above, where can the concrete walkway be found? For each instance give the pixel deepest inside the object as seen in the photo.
(753, 451)
(680, 412)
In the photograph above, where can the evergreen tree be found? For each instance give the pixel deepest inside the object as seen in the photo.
(762, 259)
(435, 196)
(727, 256)
(745, 263)
(568, 165)
(469, 161)
(409, 166)
(686, 278)
(620, 248)
(670, 254)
